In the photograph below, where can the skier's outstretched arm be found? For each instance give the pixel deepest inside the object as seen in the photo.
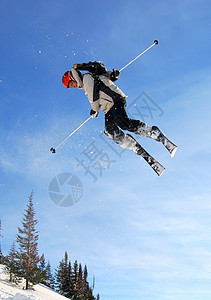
(97, 68)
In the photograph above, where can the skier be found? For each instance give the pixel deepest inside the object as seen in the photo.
(105, 95)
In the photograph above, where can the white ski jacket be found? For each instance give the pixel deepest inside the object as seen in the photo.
(100, 90)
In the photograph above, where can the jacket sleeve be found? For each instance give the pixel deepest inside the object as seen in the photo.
(88, 82)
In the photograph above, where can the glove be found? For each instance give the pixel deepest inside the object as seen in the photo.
(114, 75)
(93, 113)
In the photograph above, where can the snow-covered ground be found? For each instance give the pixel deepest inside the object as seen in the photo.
(10, 291)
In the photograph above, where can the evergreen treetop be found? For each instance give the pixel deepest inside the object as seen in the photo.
(27, 239)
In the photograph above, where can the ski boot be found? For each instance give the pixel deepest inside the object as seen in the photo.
(157, 135)
(154, 164)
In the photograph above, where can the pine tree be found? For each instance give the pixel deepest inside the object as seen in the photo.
(59, 276)
(41, 274)
(12, 265)
(73, 282)
(64, 278)
(85, 281)
(28, 246)
(1, 255)
(98, 297)
(71, 285)
(75, 275)
(50, 282)
(79, 285)
(44, 274)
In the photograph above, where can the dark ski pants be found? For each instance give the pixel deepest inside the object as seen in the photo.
(117, 117)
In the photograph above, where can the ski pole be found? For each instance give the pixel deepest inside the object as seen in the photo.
(155, 43)
(53, 150)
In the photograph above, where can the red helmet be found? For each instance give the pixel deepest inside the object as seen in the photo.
(67, 77)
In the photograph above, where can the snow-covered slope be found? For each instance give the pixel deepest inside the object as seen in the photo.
(11, 291)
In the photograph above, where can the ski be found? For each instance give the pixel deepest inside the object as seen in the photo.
(153, 163)
(160, 137)
(171, 147)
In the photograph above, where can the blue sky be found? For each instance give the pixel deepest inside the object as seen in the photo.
(142, 236)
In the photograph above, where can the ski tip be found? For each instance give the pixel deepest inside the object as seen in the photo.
(173, 152)
(158, 168)
(161, 172)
